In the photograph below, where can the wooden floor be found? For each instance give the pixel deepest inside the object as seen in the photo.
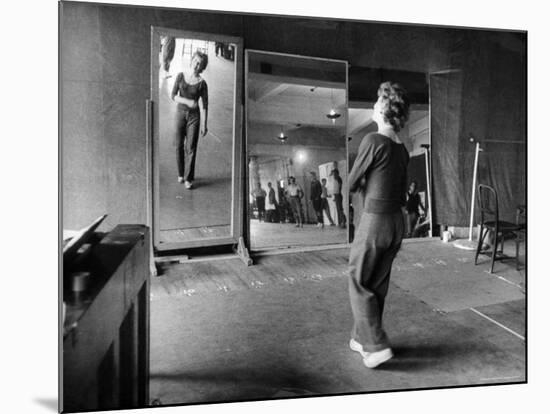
(194, 233)
(283, 235)
(222, 331)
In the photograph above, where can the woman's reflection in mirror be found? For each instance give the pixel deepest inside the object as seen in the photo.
(190, 89)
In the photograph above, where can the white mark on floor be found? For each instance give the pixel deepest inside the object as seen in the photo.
(315, 277)
(503, 279)
(463, 259)
(223, 288)
(498, 324)
(188, 292)
(290, 280)
(440, 262)
(418, 265)
(179, 197)
(256, 284)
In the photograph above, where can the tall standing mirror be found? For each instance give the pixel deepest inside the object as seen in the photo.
(297, 150)
(195, 150)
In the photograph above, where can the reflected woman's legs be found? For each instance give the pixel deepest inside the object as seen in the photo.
(181, 131)
(190, 152)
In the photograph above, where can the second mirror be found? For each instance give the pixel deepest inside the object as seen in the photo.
(297, 150)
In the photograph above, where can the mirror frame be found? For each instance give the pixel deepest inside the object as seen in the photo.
(153, 176)
(346, 242)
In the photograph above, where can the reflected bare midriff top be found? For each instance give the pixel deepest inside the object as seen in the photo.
(190, 91)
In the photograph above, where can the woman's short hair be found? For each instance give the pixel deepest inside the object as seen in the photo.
(395, 104)
(204, 60)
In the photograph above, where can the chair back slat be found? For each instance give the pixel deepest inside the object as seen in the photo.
(487, 202)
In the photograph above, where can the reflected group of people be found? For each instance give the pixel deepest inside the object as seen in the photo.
(287, 205)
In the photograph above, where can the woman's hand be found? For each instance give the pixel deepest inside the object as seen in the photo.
(190, 103)
(204, 130)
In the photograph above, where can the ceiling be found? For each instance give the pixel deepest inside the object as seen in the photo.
(294, 94)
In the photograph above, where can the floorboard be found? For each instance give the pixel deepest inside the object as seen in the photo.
(222, 331)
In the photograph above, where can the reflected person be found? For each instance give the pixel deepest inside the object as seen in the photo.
(336, 192)
(190, 88)
(259, 195)
(295, 194)
(168, 48)
(324, 201)
(412, 208)
(315, 194)
(380, 173)
(270, 204)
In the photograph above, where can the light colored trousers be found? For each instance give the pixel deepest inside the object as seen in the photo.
(376, 243)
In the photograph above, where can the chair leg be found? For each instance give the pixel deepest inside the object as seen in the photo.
(495, 246)
(517, 252)
(484, 232)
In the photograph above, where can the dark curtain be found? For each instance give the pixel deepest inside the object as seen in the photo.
(450, 205)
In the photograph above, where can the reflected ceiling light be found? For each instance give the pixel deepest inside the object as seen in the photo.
(282, 137)
(301, 156)
(332, 114)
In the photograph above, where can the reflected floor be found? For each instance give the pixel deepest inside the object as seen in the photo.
(209, 204)
(283, 235)
(195, 233)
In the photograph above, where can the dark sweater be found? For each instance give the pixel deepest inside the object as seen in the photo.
(380, 172)
(194, 92)
(315, 190)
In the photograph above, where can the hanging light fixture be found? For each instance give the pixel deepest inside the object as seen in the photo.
(332, 114)
(282, 137)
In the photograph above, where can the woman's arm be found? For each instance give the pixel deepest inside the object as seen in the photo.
(185, 101)
(204, 101)
(363, 161)
(190, 103)
(421, 205)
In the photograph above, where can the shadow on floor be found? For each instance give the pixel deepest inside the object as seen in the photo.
(49, 403)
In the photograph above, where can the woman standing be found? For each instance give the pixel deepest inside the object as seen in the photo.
(188, 89)
(412, 206)
(380, 172)
(295, 194)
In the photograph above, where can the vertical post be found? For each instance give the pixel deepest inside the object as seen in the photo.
(149, 179)
(474, 179)
(428, 189)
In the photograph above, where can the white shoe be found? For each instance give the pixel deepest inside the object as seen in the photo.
(188, 185)
(357, 347)
(373, 359)
(180, 179)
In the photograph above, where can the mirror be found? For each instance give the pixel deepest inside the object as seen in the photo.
(297, 151)
(195, 92)
(416, 137)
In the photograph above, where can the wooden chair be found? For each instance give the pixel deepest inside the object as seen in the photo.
(521, 233)
(490, 222)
